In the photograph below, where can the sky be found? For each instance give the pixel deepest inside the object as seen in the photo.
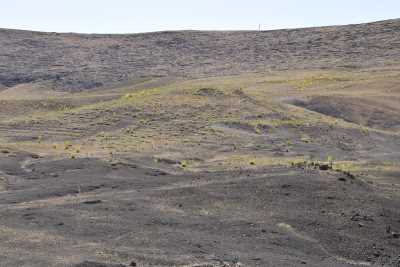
(132, 16)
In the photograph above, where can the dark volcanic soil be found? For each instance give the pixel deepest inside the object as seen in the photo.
(151, 168)
(94, 211)
(78, 62)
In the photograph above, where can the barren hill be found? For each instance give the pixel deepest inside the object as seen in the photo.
(295, 161)
(76, 61)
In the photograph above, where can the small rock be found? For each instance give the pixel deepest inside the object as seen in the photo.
(324, 167)
(377, 254)
(156, 173)
(92, 202)
(350, 175)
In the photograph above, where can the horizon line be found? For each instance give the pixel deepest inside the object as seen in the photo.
(201, 30)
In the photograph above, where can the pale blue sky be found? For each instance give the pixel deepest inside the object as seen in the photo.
(129, 16)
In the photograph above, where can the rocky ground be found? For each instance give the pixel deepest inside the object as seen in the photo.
(264, 168)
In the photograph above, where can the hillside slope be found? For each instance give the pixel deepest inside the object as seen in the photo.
(299, 166)
(76, 62)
